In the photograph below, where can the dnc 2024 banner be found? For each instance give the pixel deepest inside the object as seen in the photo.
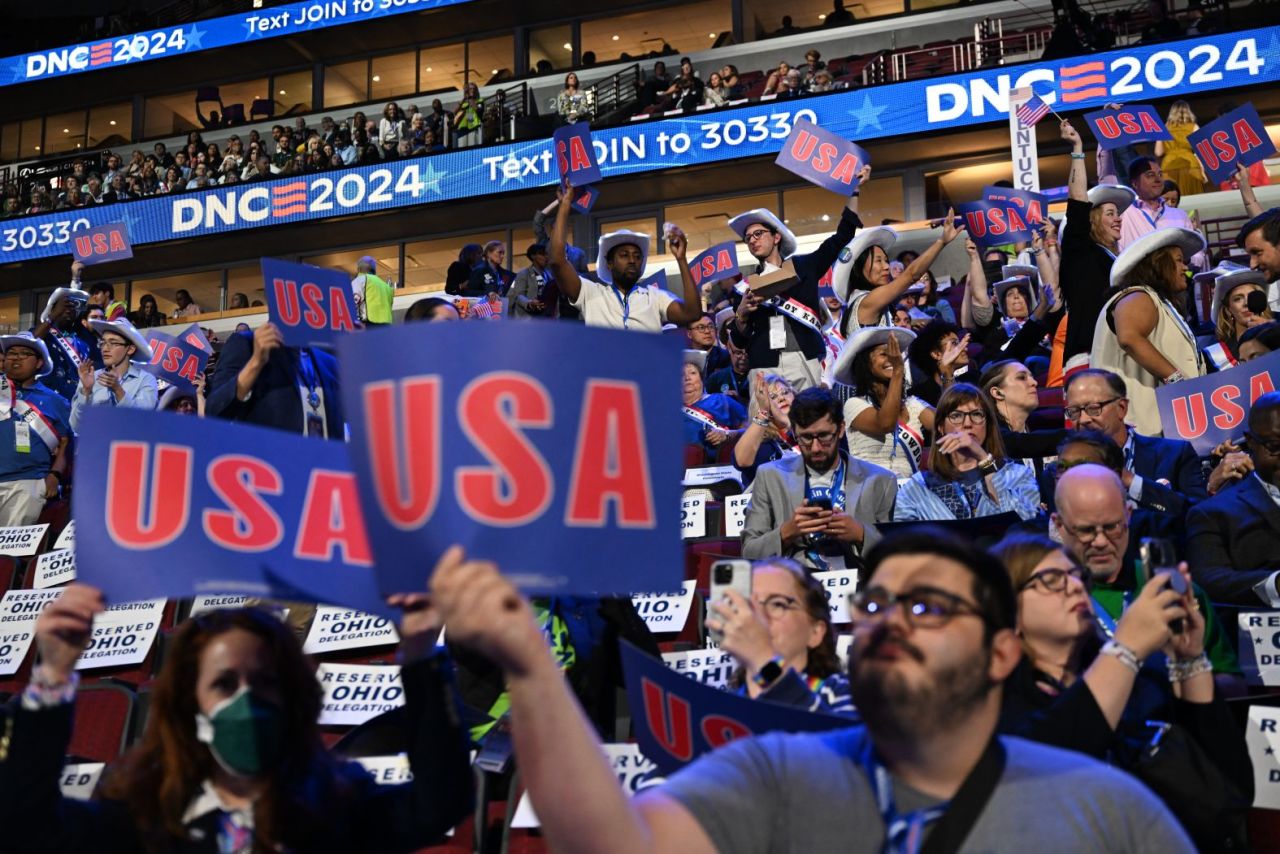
(1232, 61)
(185, 39)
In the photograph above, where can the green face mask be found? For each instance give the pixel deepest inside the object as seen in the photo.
(243, 733)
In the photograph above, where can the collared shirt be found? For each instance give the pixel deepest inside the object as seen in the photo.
(140, 392)
(1139, 220)
(38, 459)
(1135, 485)
(643, 308)
(236, 825)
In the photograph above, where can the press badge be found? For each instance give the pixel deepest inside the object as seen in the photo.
(777, 333)
(22, 437)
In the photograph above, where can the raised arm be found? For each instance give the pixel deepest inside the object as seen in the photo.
(1077, 178)
(875, 303)
(1251, 206)
(978, 299)
(566, 276)
(573, 788)
(689, 308)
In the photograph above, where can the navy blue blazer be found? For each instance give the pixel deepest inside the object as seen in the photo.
(1175, 462)
(1232, 542)
(275, 400)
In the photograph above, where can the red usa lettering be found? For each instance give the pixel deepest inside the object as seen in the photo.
(711, 265)
(308, 305)
(822, 157)
(610, 483)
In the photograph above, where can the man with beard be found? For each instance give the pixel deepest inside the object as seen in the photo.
(615, 302)
(933, 639)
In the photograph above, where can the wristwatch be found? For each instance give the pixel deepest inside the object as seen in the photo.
(988, 466)
(769, 673)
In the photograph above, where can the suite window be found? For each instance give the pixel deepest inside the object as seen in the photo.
(64, 132)
(292, 92)
(441, 68)
(110, 125)
(346, 83)
(426, 262)
(393, 76)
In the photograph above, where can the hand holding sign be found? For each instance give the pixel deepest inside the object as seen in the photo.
(486, 613)
(822, 158)
(1031, 206)
(994, 223)
(575, 155)
(310, 305)
(1238, 138)
(585, 199)
(64, 628)
(1116, 128)
(714, 264)
(108, 242)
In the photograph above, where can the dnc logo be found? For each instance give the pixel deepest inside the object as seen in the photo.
(253, 205)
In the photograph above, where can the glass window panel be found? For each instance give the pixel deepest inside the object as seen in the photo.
(680, 29)
(247, 281)
(427, 261)
(707, 223)
(550, 48)
(64, 132)
(173, 114)
(492, 59)
(346, 83)
(205, 288)
(394, 75)
(813, 210)
(245, 93)
(29, 144)
(110, 125)
(9, 141)
(9, 314)
(388, 258)
(292, 92)
(441, 68)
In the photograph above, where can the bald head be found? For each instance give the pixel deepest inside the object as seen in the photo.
(1093, 518)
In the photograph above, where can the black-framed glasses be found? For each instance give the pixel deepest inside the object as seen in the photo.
(778, 605)
(24, 354)
(1093, 410)
(1088, 533)
(974, 416)
(1055, 580)
(1255, 441)
(701, 327)
(823, 439)
(104, 344)
(755, 234)
(923, 607)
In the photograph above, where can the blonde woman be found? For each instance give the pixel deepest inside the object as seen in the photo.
(1231, 312)
(1178, 161)
(768, 436)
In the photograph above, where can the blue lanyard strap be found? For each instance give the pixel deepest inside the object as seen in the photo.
(625, 302)
(902, 833)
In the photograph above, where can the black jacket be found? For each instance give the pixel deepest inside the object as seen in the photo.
(364, 816)
(1233, 542)
(809, 269)
(1085, 276)
(275, 400)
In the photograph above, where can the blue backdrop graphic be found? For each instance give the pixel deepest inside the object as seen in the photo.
(1231, 61)
(202, 35)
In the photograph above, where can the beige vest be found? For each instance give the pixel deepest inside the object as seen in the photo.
(1172, 337)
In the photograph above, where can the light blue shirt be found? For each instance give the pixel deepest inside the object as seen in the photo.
(140, 392)
(1015, 486)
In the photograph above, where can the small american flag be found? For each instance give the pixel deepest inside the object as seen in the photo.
(484, 310)
(1032, 111)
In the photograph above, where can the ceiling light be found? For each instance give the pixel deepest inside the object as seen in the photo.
(37, 148)
(822, 17)
(428, 67)
(377, 79)
(282, 92)
(615, 38)
(568, 46)
(494, 71)
(711, 35)
(113, 122)
(66, 130)
(826, 218)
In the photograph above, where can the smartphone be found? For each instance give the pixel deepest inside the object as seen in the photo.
(821, 503)
(1160, 558)
(729, 575)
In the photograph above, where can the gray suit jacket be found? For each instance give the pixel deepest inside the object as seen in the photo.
(524, 289)
(779, 489)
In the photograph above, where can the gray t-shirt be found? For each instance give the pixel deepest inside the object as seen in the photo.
(808, 792)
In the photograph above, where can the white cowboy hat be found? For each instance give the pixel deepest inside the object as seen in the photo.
(1118, 195)
(618, 238)
(173, 394)
(882, 236)
(1224, 284)
(1190, 242)
(787, 240)
(723, 316)
(1211, 275)
(1010, 271)
(129, 332)
(697, 358)
(1002, 287)
(26, 339)
(59, 293)
(864, 339)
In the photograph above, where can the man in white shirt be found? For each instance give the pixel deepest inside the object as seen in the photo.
(1150, 212)
(615, 302)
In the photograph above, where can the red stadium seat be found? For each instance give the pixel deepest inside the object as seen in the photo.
(104, 714)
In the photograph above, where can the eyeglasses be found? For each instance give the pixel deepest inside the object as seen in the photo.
(823, 439)
(23, 354)
(974, 416)
(701, 327)
(104, 344)
(1055, 580)
(923, 607)
(1089, 533)
(1257, 442)
(778, 605)
(1093, 410)
(755, 235)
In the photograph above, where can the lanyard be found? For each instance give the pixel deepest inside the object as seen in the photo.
(310, 377)
(902, 833)
(837, 487)
(625, 302)
(1154, 222)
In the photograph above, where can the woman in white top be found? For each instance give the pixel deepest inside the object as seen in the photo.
(883, 424)
(1141, 334)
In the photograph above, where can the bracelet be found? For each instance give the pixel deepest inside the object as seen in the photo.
(1181, 671)
(1174, 377)
(760, 422)
(1079, 156)
(1126, 656)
